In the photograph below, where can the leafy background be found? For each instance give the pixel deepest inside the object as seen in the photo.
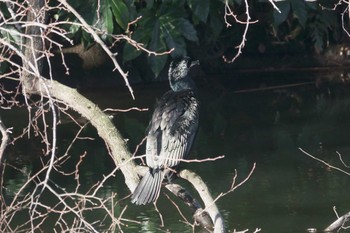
(197, 28)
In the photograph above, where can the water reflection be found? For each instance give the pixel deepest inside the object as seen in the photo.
(288, 192)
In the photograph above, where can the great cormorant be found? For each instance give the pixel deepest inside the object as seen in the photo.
(171, 131)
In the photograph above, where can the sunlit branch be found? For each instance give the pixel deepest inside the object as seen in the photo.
(210, 204)
(343, 14)
(325, 163)
(247, 230)
(137, 148)
(341, 160)
(199, 216)
(274, 6)
(125, 110)
(335, 5)
(4, 140)
(159, 214)
(202, 160)
(92, 32)
(177, 207)
(340, 223)
(139, 46)
(247, 22)
(188, 160)
(132, 23)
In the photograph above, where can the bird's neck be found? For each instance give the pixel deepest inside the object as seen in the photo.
(182, 84)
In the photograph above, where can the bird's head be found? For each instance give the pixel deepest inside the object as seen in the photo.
(178, 73)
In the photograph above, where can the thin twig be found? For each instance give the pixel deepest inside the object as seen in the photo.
(325, 163)
(92, 32)
(247, 22)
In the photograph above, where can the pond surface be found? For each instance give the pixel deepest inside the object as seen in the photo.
(288, 191)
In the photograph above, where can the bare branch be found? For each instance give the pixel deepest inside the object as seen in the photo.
(340, 223)
(92, 32)
(4, 140)
(325, 163)
(199, 215)
(125, 110)
(203, 191)
(247, 22)
(341, 160)
(274, 6)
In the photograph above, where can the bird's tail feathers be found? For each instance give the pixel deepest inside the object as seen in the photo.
(148, 189)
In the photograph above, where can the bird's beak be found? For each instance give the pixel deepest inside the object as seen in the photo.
(193, 63)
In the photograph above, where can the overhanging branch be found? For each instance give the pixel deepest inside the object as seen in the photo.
(4, 140)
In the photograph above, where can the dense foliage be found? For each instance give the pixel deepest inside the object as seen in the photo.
(314, 20)
(197, 27)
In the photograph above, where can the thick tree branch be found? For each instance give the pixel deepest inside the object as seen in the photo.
(203, 191)
(341, 222)
(199, 215)
(101, 121)
(34, 45)
(4, 140)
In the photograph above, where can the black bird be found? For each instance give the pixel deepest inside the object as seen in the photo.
(171, 131)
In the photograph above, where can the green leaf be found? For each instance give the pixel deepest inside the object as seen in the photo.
(163, 26)
(74, 29)
(215, 24)
(284, 7)
(157, 63)
(200, 9)
(299, 10)
(142, 35)
(87, 39)
(176, 3)
(179, 25)
(129, 51)
(108, 19)
(157, 44)
(11, 35)
(87, 10)
(120, 12)
(320, 28)
(176, 42)
(313, 5)
(174, 30)
(149, 4)
(4, 10)
(4, 67)
(187, 29)
(155, 39)
(317, 35)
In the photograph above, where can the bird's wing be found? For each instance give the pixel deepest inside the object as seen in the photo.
(172, 129)
(178, 136)
(156, 128)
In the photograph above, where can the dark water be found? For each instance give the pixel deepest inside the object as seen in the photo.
(288, 191)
